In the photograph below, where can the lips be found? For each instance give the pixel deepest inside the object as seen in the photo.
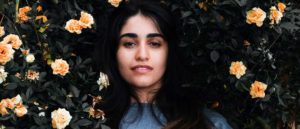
(142, 68)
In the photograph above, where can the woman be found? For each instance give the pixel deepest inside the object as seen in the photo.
(140, 57)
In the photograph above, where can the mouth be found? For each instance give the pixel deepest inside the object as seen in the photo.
(141, 68)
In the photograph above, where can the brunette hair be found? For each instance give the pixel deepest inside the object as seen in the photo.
(182, 109)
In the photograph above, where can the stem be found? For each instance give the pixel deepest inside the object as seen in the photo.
(1, 18)
(14, 25)
(17, 9)
(273, 42)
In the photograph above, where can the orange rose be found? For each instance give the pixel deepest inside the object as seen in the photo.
(24, 9)
(202, 5)
(86, 20)
(115, 3)
(6, 53)
(14, 40)
(257, 89)
(3, 106)
(25, 52)
(275, 15)
(32, 75)
(20, 110)
(281, 7)
(96, 113)
(2, 32)
(60, 66)
(237, 68)
(39, 8)
(257, 16)
(17, 99)
(73, 26)
(22, 17)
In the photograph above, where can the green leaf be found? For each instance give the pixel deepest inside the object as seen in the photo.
(87, 61)
(55, 1)
(104, 127)
(186, 14)
(84, 122)
(214, 56)
(241, 3)
(289, 26)
(14, 79)
(11, 86)
(75, 91)
(29, 92)
(3, 118)
(74, 126)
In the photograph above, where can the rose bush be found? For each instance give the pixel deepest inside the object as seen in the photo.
(244, 55)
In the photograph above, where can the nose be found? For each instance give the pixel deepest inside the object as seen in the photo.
(142, 53)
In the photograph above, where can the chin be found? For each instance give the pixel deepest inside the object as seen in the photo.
(145, 84)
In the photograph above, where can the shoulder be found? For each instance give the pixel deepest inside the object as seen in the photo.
(216, 119)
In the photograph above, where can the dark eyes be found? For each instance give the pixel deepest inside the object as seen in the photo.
(151, 44)
(129, 44)
(155, 44)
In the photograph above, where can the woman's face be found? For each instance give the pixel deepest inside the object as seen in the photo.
(142, 53)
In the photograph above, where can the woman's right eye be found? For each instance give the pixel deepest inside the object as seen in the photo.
(129, 44)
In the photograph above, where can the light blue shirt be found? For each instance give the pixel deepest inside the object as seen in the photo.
(146, 120)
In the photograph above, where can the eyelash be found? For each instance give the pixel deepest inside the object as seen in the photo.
(131, 44)
(128, 44)
(155, 44)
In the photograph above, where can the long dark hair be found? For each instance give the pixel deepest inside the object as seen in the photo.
(181, 108)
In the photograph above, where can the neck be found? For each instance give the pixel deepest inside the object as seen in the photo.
(146, 95)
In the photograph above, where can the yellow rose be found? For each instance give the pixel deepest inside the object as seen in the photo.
(115, 3)
(275, 15)
(14, 40)
(60, 66)
(257, 16)
(281, 7)
(60, 118)
(238, 69)
(257, 89)
(2, 32)
(20, 110)
(43, 17)
(73, 26)
(6, 53)
(86, 20)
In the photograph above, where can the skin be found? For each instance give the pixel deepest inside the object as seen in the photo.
(142, 56)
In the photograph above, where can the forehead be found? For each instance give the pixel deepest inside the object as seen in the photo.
(140, 25)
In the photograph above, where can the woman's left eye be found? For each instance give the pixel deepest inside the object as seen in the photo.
(155, 44)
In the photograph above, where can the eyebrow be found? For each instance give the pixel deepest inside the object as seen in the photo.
(133, 35)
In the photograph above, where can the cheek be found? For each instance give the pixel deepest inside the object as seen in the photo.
(123, 61)
(160, 60)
